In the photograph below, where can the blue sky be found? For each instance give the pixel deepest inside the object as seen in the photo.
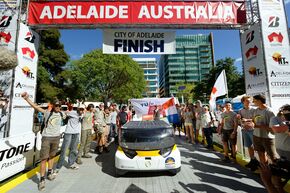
(226, 42)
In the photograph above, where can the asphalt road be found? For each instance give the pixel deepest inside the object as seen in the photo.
(201, 171)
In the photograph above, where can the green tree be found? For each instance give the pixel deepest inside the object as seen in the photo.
(52, 59)
(104, 77)
(235, 80)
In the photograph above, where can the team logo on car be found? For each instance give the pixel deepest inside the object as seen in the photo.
(170, 162)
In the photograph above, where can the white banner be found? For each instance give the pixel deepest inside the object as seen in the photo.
(253, 62)
(145, 106)
(122, 41)
(277, 51)
(8, 29)
(25, 80)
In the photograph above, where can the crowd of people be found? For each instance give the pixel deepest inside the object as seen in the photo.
(82, 122)
(262, 132)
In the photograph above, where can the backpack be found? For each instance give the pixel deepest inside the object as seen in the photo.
(45, 121)
(123, 117)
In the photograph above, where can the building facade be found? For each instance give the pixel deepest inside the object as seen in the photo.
(193, 59)
(149, 66)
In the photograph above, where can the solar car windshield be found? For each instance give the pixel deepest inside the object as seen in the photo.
(147, 139)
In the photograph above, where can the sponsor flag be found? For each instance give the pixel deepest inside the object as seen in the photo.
(220, 88)
(170, 111)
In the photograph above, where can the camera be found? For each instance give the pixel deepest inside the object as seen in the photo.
(281, 168)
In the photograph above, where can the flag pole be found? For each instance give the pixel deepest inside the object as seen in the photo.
(226, 83)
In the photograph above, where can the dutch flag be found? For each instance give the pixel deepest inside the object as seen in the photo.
(170, 111)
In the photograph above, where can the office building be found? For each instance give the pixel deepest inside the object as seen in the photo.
(193, 59)
(149, 66)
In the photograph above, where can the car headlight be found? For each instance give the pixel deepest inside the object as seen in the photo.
(129, 153)
(165, 151)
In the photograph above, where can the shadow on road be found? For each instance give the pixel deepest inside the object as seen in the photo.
(191, 188)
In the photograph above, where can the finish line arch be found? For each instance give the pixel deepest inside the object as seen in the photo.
(262, 24)
(263, 33)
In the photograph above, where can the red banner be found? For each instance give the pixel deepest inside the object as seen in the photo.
(135, 13)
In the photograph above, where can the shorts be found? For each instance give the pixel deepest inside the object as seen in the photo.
(177, 124)
(198, 124)
(104, 130)
(265, 145)
(49, 147)
(248, 137)
(226, 136)
(188, 124)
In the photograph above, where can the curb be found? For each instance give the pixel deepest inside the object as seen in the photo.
(20, 178)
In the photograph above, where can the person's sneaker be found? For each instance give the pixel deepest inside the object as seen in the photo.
(56, 171)
(74, 167)
(41, 185)
(255, 165)
(226, 159)
(51, 176)
(87, 156)
(79, 161)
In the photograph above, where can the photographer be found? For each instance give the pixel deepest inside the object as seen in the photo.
(271, 175)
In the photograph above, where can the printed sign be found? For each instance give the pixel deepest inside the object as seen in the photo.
(140, 13)
(138, 42)
(25, 81)
(8, 28)
(277, 51)
(253, 61)
(16, 155)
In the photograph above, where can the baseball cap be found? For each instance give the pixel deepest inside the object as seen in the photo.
(56, 103)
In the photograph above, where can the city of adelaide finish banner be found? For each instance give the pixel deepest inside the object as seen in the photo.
(135, 12)
(138, 42)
